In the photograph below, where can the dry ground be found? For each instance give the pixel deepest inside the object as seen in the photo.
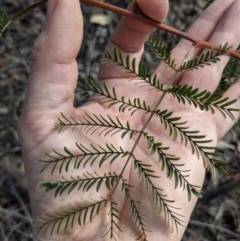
(220, 206)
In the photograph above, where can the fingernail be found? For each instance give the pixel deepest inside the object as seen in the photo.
(51, 5)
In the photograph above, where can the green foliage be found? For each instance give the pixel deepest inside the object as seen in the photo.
(203, 100)
(160, 49)
(209, 1)
(86, 156)
(229, 76)
(64, 219)
(91, 124)
(112, 226)
(105, 126)
(86, 183)
(5, 21)
(97, 155)
(206, 58)
(171, 165)
(159, 201)
(136, 214)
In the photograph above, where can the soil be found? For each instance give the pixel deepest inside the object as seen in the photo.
(216, 216)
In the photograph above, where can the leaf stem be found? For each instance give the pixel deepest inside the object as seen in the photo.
(131, 153)
(143, 18)
(140, 16)
(21, 14)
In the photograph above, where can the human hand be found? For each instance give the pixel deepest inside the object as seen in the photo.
(51, 91)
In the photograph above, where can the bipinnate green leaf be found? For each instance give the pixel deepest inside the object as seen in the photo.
(192, 96)
(104, 125)
(184, 93)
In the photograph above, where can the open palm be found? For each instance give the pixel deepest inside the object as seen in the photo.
(51, 92)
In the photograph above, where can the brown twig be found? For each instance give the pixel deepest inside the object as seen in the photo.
(148, 20)
(140, 16)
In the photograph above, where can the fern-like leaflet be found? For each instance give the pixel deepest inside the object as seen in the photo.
(90, 124)
(205, 100)
(86, 156)
(112, 226)
(4, 22)
(136, 214)
(86, 183)
(206, 58)
(191, 137)
(161, 51)
(158, 200)
(169, 162)
(83, 155)
(62, 219)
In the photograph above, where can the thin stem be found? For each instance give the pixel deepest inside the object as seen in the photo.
(143, 18)
(140, 16)
(22, 14)
(131, 153)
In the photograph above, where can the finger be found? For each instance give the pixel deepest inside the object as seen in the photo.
(223, 125)
(202, 28)
(54, 70)
(130, 35)
(227, 31)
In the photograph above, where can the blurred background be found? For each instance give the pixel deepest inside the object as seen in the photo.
(216, 216)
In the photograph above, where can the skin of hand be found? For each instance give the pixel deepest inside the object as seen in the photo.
(51, 91)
